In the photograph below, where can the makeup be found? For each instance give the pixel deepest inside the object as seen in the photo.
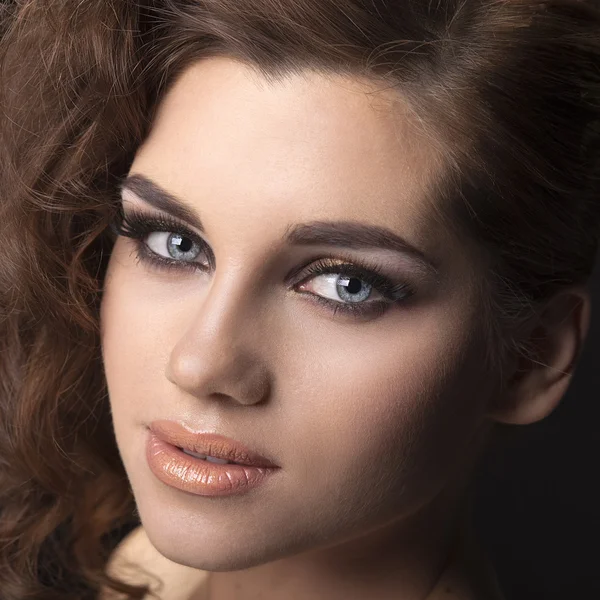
(346, 279)
(170, 451)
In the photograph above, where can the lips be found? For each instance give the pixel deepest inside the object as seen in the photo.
(208, 444)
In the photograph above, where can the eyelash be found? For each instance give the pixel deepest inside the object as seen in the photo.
(137, 225)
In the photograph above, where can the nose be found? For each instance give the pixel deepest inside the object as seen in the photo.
(218, 354)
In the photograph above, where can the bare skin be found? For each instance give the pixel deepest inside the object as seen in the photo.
(375, 420)
(468, 575)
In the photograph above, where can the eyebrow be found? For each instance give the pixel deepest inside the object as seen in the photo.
(339, 234)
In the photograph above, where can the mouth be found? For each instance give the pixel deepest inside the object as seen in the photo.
(210, 447)
(202, 474)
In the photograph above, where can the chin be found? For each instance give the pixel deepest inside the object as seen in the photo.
(241, 557)
(214, 554)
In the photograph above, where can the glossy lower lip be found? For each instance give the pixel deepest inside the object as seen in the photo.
(196, 476)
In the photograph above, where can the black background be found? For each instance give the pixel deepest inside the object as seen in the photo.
(538, 499)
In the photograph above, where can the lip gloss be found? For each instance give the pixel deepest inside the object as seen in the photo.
(190, 474)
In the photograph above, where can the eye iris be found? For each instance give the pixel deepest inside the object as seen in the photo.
(181, 245)
(353, 289)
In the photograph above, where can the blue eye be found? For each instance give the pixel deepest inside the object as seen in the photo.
(340, 287)
(163, 242)
(179, 247)
(352, 288)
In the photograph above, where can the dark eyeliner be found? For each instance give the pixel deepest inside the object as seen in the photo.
(136, 225)
(371, 273)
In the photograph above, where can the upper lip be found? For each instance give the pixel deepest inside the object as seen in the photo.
(209, 444)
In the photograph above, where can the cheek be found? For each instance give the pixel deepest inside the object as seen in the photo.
(387, 414)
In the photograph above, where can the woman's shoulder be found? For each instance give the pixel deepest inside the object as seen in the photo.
(137, 562)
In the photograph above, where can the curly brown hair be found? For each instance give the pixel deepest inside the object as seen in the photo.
(508, 89)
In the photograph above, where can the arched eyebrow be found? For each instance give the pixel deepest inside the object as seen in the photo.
(339, 234)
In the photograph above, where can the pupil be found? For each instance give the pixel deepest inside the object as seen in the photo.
(354, 285)
(184, 244)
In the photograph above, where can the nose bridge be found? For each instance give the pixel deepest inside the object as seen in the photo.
(219, 351)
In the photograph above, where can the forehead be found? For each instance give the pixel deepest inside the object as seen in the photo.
(307, 147)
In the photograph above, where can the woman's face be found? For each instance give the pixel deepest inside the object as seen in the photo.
(367, 413)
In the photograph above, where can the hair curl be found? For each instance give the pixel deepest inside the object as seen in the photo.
(508, 89)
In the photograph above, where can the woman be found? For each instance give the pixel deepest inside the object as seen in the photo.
(336, 243)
